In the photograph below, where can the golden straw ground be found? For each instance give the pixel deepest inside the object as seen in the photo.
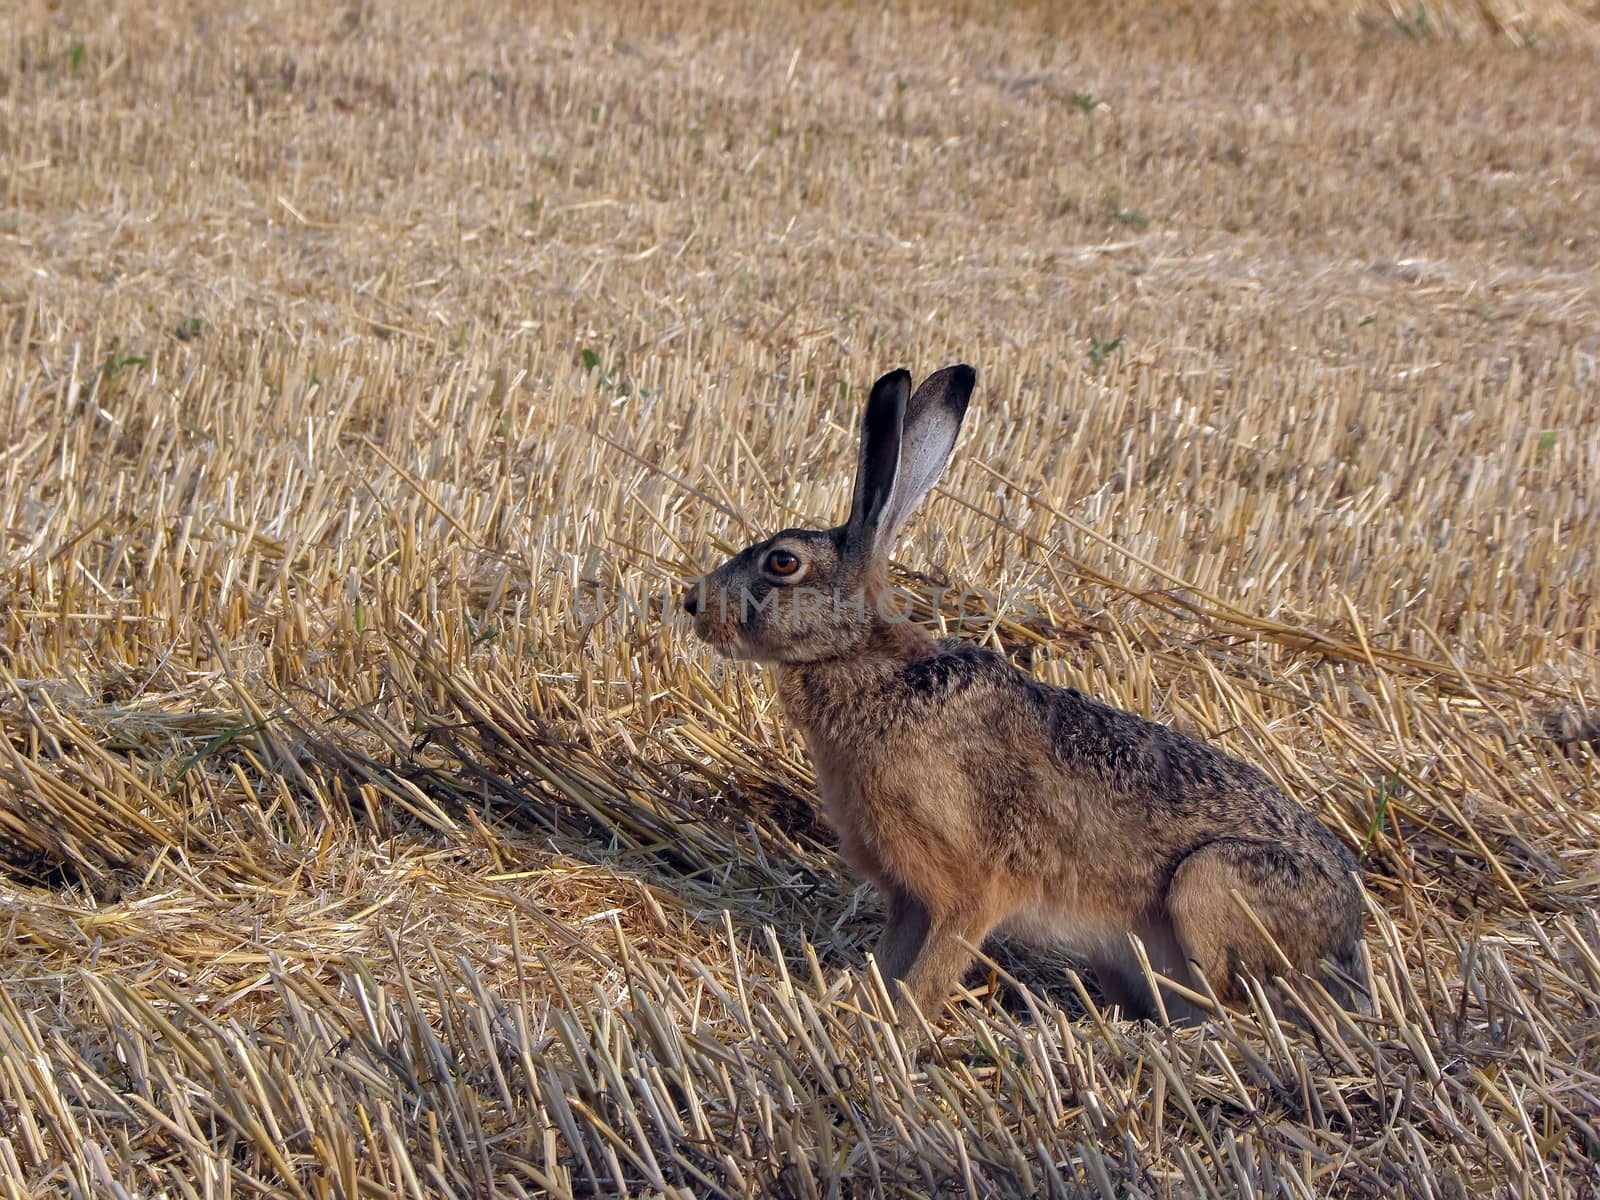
(368, 379)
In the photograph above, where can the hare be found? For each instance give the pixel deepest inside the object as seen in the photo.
(978, 799)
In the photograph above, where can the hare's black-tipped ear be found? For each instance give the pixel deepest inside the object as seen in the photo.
(879, 462)
(928, 435)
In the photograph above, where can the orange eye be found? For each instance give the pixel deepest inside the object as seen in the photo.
(781, 562)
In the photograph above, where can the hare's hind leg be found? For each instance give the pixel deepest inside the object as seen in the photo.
(1224, 894)
(1123, 981)
(1123, 989)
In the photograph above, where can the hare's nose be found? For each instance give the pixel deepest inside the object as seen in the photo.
(691, 599)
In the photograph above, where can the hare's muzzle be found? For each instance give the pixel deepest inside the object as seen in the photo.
(702, 609)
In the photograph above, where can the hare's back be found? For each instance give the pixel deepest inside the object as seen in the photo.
(973, 698)
(1167, 771)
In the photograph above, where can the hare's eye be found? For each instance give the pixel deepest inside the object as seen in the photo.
(781, 562)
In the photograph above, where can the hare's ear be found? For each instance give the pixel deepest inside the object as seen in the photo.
(932, 424)
(879, 463)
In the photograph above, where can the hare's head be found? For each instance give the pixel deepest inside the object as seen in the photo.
(805, 595)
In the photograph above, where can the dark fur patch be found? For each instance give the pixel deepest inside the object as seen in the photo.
(956, 667)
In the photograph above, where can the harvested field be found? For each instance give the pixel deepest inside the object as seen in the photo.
(371, 376)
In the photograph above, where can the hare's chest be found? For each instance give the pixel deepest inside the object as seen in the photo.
(890, 792)
(899, 817)
(848, 807)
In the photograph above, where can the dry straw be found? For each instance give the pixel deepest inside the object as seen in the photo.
(368, 378)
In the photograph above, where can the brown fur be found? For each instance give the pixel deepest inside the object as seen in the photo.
(978, 799)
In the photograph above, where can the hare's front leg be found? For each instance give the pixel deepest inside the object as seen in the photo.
(946, 953)
(902, 937)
